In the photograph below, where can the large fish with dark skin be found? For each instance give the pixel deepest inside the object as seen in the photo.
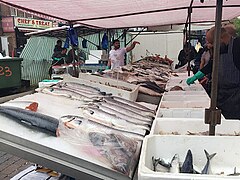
(46, 123)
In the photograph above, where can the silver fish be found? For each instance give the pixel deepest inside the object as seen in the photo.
(209, 157)
(148, 114)
(112, 121)
(73, 122)
(33, 119)
(105, 107)
(132, 103)
(66, 93)
(81, 86)
(175, 168)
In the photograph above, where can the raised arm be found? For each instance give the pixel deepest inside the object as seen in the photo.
(132, 46)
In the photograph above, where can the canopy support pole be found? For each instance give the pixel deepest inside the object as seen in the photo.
(213, 115)
(189, 38)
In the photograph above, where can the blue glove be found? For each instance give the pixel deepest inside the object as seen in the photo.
(107, 67)
(197, 76)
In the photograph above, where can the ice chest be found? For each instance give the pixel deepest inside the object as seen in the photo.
(226, 147)
(194, 125)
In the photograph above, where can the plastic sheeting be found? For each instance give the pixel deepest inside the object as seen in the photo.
(125, 13)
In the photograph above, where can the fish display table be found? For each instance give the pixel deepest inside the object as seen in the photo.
(53, 152)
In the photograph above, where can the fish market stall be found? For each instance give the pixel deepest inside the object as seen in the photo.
(78, 130)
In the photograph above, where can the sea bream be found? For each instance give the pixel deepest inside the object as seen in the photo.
(112, 121)
(32, 119)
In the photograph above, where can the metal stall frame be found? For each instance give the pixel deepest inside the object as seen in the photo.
(53, 159)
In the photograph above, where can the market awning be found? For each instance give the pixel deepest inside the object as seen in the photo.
(125, 13)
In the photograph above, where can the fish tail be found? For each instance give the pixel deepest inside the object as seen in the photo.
(209, 156)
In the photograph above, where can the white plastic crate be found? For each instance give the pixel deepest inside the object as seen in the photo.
(180, 113)
(227, 157)
(183, 93)
(185, 98)
(182, 126)
(184, 104)
(129, 95)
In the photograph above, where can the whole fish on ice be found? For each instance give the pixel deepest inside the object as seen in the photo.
(30, 118)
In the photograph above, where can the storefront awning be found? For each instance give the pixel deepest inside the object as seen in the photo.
(125, 13)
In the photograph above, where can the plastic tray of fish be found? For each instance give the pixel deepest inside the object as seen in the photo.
(130, 94)
(174, 152)
(193, 126)
(184, 104)
(185, 98)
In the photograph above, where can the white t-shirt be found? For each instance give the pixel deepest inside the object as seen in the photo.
(117, 57)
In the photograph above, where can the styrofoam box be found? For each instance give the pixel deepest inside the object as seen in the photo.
(183, 93)
(180, 113)
(184, 104)
(195, 87)
(227, 157)
(194, 125)
(129, 95)
(185, 98)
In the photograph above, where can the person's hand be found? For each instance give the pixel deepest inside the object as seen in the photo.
(136, 42)
(191, 80)
(198, 75)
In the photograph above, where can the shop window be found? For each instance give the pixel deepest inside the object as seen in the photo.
(13, 11)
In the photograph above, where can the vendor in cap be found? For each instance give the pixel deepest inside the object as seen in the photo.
(228, 99)
(116, 55)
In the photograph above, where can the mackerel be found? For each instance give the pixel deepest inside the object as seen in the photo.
(112, 121)
(32, 119)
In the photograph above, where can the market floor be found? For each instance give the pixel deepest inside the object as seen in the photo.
(11, 165)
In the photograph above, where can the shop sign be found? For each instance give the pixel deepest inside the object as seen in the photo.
(7, 24)
(32, 23)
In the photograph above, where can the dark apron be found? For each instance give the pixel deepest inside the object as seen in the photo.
(229, 85)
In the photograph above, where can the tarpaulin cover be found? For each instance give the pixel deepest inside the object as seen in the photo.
(126, 13)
